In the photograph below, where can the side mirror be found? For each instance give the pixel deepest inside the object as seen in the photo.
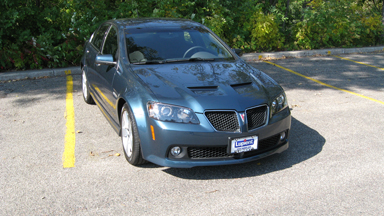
(239, 52)
(105, 59)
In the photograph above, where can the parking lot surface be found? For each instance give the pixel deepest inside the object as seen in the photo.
(334, 165)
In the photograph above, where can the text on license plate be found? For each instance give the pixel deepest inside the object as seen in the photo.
(244, 144)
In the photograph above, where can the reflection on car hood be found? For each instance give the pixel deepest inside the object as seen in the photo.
(209, 85)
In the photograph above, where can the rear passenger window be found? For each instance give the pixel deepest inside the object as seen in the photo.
(99, 36)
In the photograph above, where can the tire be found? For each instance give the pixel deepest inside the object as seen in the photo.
(86, 95)
(130, 138)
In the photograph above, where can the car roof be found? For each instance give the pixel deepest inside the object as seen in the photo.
(140, 23)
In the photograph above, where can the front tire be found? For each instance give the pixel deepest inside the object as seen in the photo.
(86, 95)
(130, 138)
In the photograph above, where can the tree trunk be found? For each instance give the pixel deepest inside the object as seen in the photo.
(286, 14)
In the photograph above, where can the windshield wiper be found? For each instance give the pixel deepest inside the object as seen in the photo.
(190, 59)
(149, 62)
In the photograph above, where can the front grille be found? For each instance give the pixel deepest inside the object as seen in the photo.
(221, 152)
(223, 120)
(256, 117)
(207, 152)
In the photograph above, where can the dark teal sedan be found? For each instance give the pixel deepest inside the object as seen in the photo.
(180, 97)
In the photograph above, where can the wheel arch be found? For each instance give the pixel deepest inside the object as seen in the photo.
(134, 106)
(120, 105)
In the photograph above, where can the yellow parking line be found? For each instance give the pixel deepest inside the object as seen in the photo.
(70, 137)
(358, 62)
(324, 84)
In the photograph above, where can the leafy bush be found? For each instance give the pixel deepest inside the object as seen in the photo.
(51, 33)
(336, 24)
(265, 32)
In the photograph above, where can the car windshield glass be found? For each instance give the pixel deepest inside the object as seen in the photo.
(173, 45)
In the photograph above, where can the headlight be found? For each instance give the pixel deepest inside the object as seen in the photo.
(171, 113)
(279, 104)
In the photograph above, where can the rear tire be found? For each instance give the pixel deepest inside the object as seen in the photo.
(130, 138)
(86, 94)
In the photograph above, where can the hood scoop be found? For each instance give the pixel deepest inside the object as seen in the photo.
(206, 90)
(246, 88)
(240, 85)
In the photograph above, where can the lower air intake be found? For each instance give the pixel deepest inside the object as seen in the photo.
(221, 152)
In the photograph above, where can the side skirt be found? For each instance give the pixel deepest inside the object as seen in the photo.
(113, 123)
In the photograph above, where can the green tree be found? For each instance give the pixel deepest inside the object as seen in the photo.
(51, 33)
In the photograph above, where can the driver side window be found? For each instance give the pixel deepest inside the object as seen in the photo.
(110, 45)
(99, 36)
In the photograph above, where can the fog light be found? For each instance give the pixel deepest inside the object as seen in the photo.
(282, 135)
(175, 151)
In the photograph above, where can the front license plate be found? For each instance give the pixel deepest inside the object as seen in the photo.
(244, 144)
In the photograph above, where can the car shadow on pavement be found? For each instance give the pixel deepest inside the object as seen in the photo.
(305, 143)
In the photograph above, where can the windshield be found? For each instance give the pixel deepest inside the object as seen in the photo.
(145, 45)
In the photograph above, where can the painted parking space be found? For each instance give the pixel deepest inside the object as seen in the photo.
(363, 78)
(325, 84)
(70, 135)
(362, 63)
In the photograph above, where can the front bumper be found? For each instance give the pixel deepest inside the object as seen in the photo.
(187, 136)
(214, 162)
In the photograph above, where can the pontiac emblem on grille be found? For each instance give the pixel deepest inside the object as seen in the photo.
(242, 116)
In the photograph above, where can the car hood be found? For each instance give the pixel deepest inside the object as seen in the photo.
(208, 85)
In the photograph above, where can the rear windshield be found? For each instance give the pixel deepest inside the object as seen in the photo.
(172, 44)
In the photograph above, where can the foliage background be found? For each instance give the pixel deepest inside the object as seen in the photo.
(51, 33)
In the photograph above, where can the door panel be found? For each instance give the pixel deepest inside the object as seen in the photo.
(92, 50)
(106, 74)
